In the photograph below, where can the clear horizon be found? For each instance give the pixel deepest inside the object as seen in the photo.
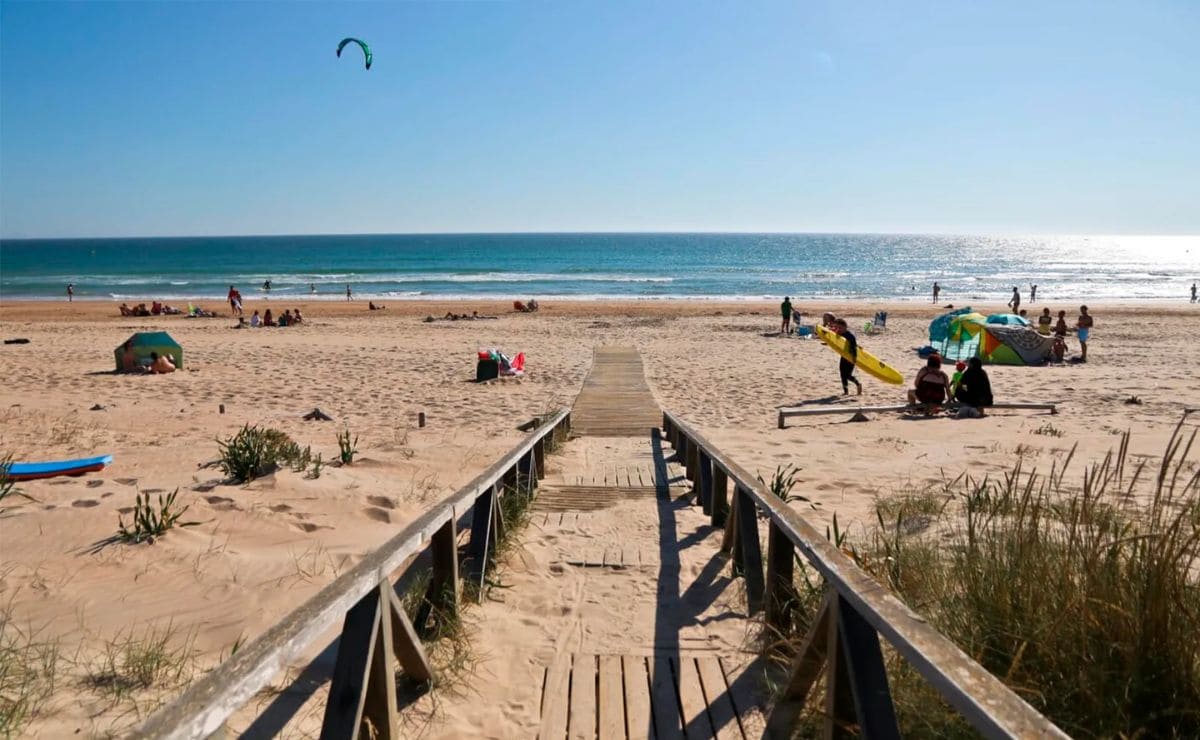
(123, 120)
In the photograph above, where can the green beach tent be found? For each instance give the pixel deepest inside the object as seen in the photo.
(145, 342)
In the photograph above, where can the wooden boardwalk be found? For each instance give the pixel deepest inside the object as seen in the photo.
(619, 618)
(615, 400)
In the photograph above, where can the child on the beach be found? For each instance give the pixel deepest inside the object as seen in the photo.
(1083, 329)
(1044, 322)
(1060, 326)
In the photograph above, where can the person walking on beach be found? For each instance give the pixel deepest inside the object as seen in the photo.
(347, 291)
(235, 301)
(1193, 292)
(846, 367)
(1015, 301)
(71, 292)
(1083, 328)
(936, 290)
(786, 309)
(1033, 293)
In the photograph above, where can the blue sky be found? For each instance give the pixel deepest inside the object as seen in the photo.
(236, 118)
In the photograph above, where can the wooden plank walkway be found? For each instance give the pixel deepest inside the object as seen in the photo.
(615, 400)
(617, 617)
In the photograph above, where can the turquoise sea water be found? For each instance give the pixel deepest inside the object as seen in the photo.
(584, 266)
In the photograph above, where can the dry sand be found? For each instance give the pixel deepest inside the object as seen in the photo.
(257, 551)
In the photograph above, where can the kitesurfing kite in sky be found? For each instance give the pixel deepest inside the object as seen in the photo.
(366, 49)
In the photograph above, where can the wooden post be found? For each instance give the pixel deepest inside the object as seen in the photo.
(867, 674)
(706, 483)
(781, 592)
(442, 596)
(539, 456)
(525, 473)
(499, 526)
(692, 460)
(839, 698)
(751, 551)
(482, 541)
(363, 687)
(729, 539)
(781, 419)
(720, 497)
(420, 419)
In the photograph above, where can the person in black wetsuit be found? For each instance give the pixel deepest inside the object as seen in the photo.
(975, 389)
(846, 367)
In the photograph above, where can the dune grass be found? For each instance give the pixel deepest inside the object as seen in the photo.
(1084, 597)
(257, 451)
(29, 671)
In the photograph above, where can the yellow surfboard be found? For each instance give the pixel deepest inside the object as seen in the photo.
(867, 362)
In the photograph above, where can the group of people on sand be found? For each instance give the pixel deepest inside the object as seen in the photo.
(1046, 324)
(156, 309)
(158, 365)
(268, 318)
(971, 388)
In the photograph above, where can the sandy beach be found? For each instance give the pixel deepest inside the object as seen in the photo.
(255, 552)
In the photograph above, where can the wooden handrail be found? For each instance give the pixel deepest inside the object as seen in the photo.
(981, 698)
(203, 709)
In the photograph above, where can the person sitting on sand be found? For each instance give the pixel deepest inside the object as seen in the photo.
(255, 321)
(931, 386)
(372, 306)
(126, 310)
(156, 308)
(141, 310)
(161, 364)
(129, 363)
(975, 388)
(532, 305)
(1044, 322)
(1058, 349)
(296, 317)
(285, 318)
(268, 318)
(1060, 326)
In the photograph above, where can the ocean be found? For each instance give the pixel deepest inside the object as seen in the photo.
(603, 265)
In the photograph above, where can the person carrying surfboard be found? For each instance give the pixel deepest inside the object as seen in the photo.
(846, 367)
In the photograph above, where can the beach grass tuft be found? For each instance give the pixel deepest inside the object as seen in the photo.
(347, 447)
(156, 658)
(8, 486)
(29, 665)
(257, 451)
(1084, 598)
(150, 521)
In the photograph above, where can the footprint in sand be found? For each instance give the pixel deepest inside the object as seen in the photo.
(280, 508)
(378, 515)
(125, 510)
(95, 483)
(308, 526)
(381, 501)
(221, 503)
(85, 503)
(126, 481)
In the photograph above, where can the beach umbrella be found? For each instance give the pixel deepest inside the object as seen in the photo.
(145, 342)
(1008, 319)
(966, 326)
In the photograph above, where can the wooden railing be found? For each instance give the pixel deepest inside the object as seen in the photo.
(375, 628)
(844, 638)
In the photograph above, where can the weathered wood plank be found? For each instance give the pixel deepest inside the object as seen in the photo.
(379, 708)
(441, 598)
(840, 719)
(582, 722)
(720, 497)
(639, 722)
(706, 484)
(611, 699)
(788, 413)
(664, 701)
(691, 699)
(351, 670)
(555, 700)
(407, 644)
(781, 593)
(720, 703)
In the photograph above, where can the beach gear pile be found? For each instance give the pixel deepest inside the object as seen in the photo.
(999, 339)
(493, 363)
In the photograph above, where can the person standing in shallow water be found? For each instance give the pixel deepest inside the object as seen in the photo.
(1015, 301)
(71, 292)
(785, 308)
(347, 291)
(846, 367)
(1033, 293)
(936, 290)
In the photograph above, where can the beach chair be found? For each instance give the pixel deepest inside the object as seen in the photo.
(878, 324)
